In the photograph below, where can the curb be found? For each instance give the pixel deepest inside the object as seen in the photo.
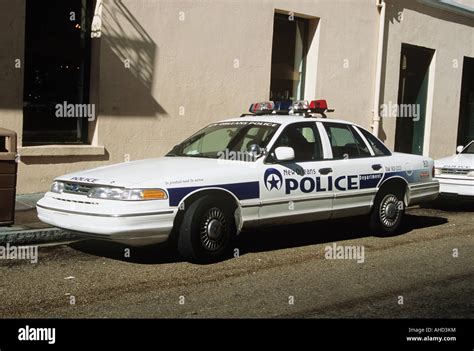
(35, 236)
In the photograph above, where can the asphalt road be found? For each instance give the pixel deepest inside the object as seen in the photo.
(280, 272)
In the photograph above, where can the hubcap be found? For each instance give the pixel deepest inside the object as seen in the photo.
(390, 210)
(213, 229)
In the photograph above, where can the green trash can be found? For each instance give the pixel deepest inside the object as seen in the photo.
(8, 171)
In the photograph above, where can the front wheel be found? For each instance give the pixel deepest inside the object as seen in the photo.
(207, 230)
(388, 211)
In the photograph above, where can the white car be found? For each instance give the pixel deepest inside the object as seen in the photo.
(259, 169)
(456, 173)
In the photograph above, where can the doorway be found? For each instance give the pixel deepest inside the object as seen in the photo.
(466, 108)
(413, 87)
(289, 50)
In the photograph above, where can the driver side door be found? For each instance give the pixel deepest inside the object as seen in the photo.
(300, 189)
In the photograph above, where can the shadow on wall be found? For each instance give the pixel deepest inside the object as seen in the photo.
(127, 64)
(124, 91)
(394, 14)
(396, 7)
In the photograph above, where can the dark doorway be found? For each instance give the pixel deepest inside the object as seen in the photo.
(290, 45)
(466, 108)
(412, 96)
(57, 69)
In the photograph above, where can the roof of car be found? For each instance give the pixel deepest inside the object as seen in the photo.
(284, 119)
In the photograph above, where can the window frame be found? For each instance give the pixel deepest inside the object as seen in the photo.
(354, 131)
(269, 158)
(33, 137)
(360, 131)
(282, 16)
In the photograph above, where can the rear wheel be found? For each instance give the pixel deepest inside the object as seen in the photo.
(207, 230)
(388, 211)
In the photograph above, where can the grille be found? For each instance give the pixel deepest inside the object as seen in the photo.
(457, 171)
(76, 201)
(76, 188)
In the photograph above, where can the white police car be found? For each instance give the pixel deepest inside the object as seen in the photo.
(456, 174)
(278, 165)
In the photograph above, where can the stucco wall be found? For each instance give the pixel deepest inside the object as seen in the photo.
(452, 36)
(12, 23)
(194, 67)
(194, 62)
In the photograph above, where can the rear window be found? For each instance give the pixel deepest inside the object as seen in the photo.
(345, 141)
(379, 148)
(469, 149)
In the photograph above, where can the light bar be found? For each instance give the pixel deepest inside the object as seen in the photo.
(283, 107)
(318, 105)
(288, 107)
(260, 108)
(300, 106)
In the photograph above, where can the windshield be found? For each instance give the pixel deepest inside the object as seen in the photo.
(469, 149)
(234, 140)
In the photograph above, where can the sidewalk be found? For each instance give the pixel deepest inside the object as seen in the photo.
(28, 229)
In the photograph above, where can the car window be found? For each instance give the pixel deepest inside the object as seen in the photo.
(469, 149)
(255, 135)
(379, 148)
(226, 139)
(345, 142)
(304, 139)
(215, 141)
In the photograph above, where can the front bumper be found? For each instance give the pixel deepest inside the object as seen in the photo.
(133, 228)
(453, 187)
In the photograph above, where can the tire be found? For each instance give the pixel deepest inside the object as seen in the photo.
(207, 230)
(388, 211)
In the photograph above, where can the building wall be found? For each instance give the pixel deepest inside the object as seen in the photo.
(452, 36)
(163, 69)
(12, 27)
(215, 62)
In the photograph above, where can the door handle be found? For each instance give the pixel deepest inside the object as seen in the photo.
(376, 167)
(325, 171)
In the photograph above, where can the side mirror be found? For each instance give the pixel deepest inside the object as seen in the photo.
(284, 153)
(459, 149)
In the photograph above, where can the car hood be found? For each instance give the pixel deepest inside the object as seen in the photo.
(164, 171)
(456, 161)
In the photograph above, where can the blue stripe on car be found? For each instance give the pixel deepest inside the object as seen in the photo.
(368, 181)
(243, 191)
(372, 180)
(412, 178)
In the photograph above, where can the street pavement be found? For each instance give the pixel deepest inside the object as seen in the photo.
(427, 271)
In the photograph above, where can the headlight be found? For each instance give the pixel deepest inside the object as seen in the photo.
(470, 174)
(57, 187)
(438, 171)
(127, 194)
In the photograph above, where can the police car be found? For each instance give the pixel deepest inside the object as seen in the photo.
(279, 164)
(456, 174)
